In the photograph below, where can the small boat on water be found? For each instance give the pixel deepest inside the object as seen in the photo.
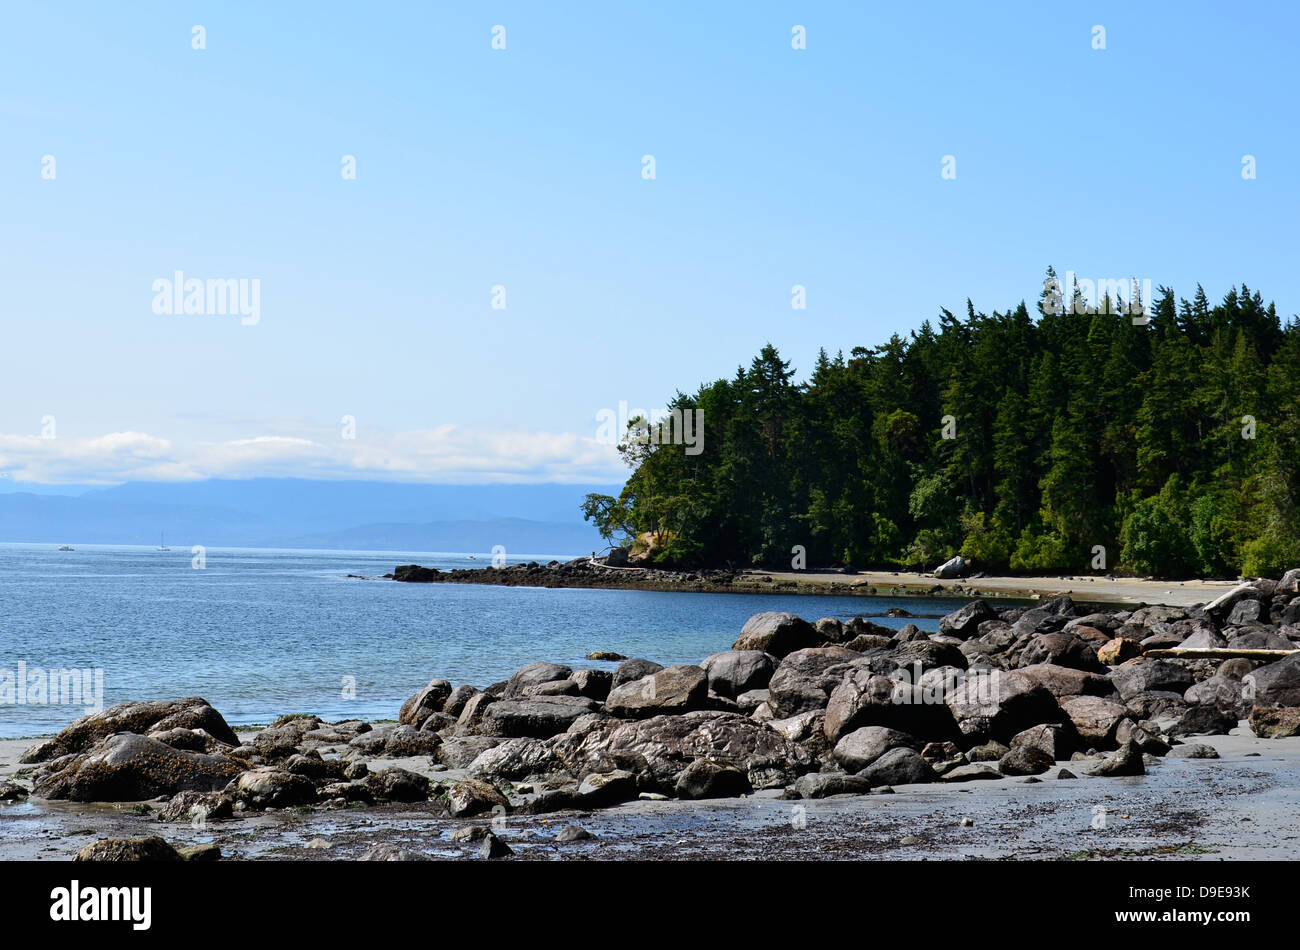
(162, 542)
(64, 547)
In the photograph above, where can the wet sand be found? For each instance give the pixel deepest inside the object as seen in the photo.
(1245, 805)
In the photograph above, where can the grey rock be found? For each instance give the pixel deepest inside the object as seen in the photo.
(1144, 674)
(777, 633)
(470, 797)
(964, 623)
(1026, 760)
(494, 847)
(899, 766)
(391, 852)
(428, 700)
(861, 747)
(137, 718)
(677, 689)
(706, 778)
(734, 672)
(1193, 750)
(273, 788)
(826, 784)
(1124, 761)
(630, 670)
(131, 767)
(534, 718)
(532, 674)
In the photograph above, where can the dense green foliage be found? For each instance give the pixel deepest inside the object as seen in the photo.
(1073, 430)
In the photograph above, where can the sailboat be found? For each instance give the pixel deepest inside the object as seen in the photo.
(162, 542)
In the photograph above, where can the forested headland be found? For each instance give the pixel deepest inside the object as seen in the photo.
(1071, 439)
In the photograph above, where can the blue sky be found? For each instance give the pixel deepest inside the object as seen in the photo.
(522, 167)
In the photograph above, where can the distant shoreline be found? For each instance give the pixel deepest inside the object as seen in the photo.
(591, 574)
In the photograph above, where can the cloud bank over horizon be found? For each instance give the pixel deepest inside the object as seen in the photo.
(447, 454)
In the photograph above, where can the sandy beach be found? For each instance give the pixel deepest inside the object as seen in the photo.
(593, 573)
(1111, 590)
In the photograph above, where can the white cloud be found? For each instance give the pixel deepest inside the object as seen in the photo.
(446, 454)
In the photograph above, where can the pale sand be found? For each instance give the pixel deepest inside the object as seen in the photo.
(1117, 590)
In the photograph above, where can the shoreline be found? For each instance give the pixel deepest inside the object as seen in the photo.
(1240, 806)
(801, 738)
(588, 573)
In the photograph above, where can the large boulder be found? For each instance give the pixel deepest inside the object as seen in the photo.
(127, 767)
(1063, 681)
(402, 742)
(281, 739)
(777, 633)
(427, 701)
(1095, 719)
(1263, 638)
(1000, 705)
(270, 787)
(964, 623)
(148, 848)
(707, 778)
(455, 703)
(138, 718)
(1119, 649)
(1221, 607)
(1144, 674)
(1124, 761)
(594, 684)
(664, 746)
(515, 759)
(1206, 637)
(1058, 742)
(459, 752)
(867, 699)
(470, 797)
(1061, 649)
(1204, 721)
(861, 747)
(826, 784)
(677, 689)
(470, 720)
(634, 669)
(955, 567)
(804, 679)
(900, 766)
(1025, 760)
(1221, 691)
(397, 785)
(738, 671)
(926, 655)
(533, 674)
(534, 718)
(1277, 684)
(602, 789)
(1275, 722)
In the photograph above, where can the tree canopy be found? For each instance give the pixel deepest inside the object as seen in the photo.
(1174, 445)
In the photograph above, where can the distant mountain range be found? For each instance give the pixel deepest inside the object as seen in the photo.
(300, 513)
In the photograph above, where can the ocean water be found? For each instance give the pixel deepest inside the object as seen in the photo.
(260, 633)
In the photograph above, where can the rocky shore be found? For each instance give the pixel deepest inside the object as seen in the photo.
(803, 711)
(600, 573)
(586, 572)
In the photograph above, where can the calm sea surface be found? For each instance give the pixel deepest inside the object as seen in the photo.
(260, 633)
